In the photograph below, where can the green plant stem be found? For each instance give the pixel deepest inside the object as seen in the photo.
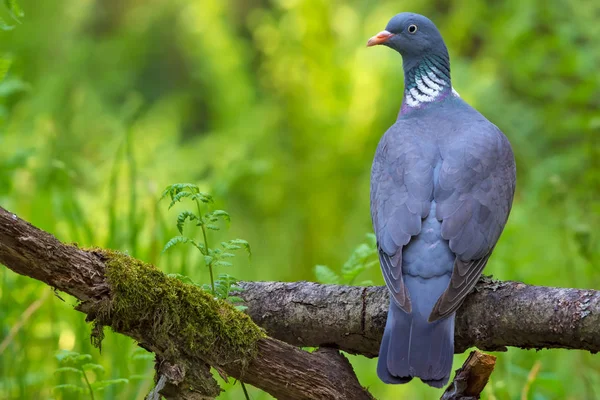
(245, 391)
(209, 265)
(87, 382)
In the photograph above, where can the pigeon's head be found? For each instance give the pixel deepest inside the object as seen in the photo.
(412, 35)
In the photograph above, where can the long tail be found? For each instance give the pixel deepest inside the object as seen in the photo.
(414, 348)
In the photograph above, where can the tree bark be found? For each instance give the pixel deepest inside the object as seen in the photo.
(471, 378)
(494, 315)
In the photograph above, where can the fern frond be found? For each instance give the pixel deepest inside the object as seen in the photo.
(175, 241)
(241, 242)
(182, 217)
(178, 197)
(203, 197)
(224, 215)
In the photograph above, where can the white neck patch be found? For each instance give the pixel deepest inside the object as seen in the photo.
(427, 88)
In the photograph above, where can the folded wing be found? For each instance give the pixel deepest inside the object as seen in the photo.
(401, 192)
(474, 195)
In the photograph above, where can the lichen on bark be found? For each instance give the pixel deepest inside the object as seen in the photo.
(172, 314)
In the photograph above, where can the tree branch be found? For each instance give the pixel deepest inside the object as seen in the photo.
(183, 325)
(471, 378)
(495, 315)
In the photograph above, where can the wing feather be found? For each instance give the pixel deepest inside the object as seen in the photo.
(401, 193)
(474, 195)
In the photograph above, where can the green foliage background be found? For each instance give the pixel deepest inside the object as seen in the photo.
(275, 107)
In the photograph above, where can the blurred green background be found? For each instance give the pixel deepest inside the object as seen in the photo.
(276, 107)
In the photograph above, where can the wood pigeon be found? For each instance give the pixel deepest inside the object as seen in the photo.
(442, 186)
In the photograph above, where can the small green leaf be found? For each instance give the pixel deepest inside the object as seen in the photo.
(235, 299)
(93, 367)
(178, 197)
(230, 246)
(68, 369)
(182, 217)
(182, 278)
(372, 240)
(100, 385)
(206, 287)
(208, 260)
(212, 227)
(68, 388)
(222, 264)
(236, 288)
(81, 358)
(175, 241)
(243, 243)
(178, 187)
(203, 197)
(363, 257)
(199, 247)
(66, 356)
(143, 354)
(325, 275)
(222, 214)
(241, 308)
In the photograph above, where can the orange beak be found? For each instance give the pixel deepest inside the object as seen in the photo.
(380, 38)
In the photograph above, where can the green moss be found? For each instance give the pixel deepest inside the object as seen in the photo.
(171, 314)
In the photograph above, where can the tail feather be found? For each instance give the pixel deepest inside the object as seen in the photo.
(413, 347)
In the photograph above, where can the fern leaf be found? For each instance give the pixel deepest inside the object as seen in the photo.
(182, 217)
(141, 354)
(199, 246)
(235, 299)
(325, 275)
(364, 256)
(182, 278)
(68, 369)
(243, 243)
(68, 388)
(83, 358)
(100, 385)
(222, 214)
(66, 356)
(203, 197)
(222, 264)
(97, 368)
(175, 241)
(178, 197)
(175, 188)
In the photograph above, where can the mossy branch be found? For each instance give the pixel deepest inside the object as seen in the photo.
(185, 327)
(179, 315)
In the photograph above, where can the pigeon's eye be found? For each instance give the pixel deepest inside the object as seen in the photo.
(412, 28)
